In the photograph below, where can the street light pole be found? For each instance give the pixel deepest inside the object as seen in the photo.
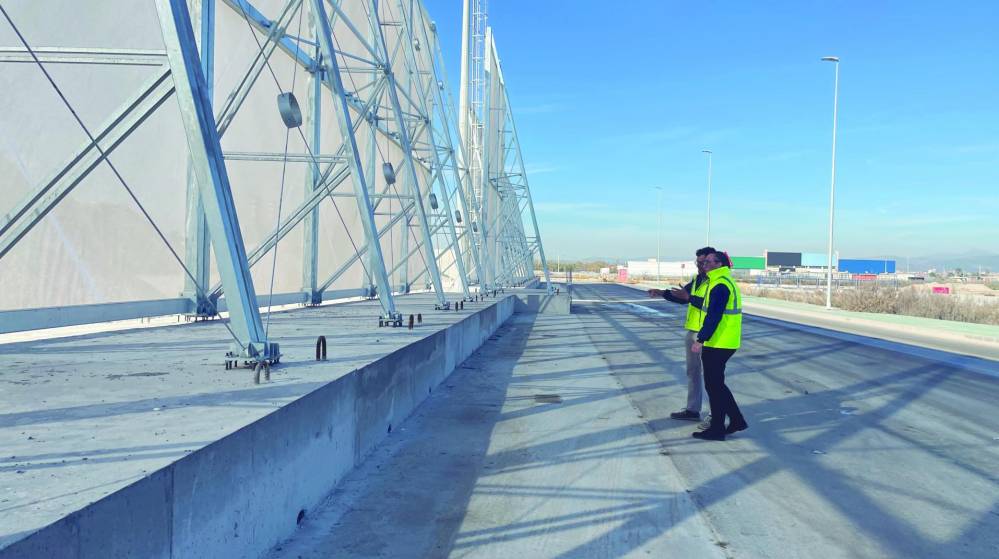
(659, 234)
(832, 187)
(707, 233)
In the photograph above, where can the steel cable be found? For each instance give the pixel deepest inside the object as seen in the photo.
(308, 148)
(284, 169)
(114, 170)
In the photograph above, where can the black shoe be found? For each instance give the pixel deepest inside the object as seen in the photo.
(685, 415)
(736, 426)
(709, 435)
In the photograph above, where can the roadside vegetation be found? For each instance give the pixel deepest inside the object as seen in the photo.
(890, 300)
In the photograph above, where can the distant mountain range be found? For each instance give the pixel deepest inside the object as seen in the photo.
(968, 262)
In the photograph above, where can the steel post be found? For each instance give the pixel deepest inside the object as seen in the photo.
(345, 122)
(429, 256)
(213, 180)
(313, 180)
(197, 243)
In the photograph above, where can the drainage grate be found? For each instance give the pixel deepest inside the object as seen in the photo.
(548, 398)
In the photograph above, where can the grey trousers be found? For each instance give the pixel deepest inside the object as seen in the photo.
(695, 383)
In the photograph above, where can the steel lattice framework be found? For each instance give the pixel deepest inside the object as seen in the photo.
(401, 157)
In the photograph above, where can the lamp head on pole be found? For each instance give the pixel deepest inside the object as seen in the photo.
(830, 59)
(707, 151)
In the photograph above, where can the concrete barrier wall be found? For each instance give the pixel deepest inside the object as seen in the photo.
(538, 301)
(242, 494)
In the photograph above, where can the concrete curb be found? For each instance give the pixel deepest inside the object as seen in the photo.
(976, 346)
(246, 492)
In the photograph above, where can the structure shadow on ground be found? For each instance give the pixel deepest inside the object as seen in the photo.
(412, 498)
(409, 498)
(798, 422)
(836, 439)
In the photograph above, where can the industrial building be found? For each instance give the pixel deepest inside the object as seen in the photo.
(811, 262)
(771, 261)
(650, 268)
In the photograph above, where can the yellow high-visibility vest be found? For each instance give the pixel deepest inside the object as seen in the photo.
(695, 316)
(728, 335)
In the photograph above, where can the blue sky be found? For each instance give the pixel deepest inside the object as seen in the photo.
(612, 99)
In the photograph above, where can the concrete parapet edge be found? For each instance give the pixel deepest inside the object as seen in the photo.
(242, 494)
(539, 301)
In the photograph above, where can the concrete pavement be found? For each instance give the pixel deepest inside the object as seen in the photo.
(532, 450)
(140, 443)
(854, 450)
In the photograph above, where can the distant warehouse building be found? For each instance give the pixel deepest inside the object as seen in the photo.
(865, 266)
(809, 263)
(650, 268)
(749, 263)
(816, 260)
(794, 260)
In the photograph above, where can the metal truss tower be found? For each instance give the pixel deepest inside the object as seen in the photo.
(495, 166)
(437, 196)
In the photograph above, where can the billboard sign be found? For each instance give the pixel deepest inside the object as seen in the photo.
(784, 259)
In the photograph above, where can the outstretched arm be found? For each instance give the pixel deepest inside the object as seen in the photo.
(675, 295)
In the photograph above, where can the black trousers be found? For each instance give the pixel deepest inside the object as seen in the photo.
(721, 399)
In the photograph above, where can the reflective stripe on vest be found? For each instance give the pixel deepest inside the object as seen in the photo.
(728, 335)
(695, 316)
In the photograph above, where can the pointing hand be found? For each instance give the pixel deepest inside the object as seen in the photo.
(680, 294)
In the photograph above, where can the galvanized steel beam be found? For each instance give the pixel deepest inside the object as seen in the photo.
(197, 244)
(213, 181)
(334, 81)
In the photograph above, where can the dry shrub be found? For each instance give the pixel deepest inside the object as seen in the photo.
(891, 300)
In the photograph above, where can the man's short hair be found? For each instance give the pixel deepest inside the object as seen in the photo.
(705, 251)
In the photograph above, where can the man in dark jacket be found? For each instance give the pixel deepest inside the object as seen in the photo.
(717, 341)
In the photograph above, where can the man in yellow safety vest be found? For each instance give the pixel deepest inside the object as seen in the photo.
(717, 341)
(691, 295)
